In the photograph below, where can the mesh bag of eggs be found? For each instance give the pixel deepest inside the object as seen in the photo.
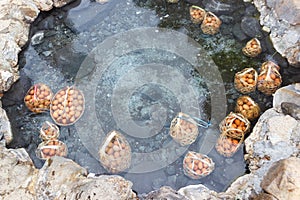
(245, 81)
(269, 79)
(67, 106)
(235, 125)
(247, 107)
(50, 148)
(197, 165)
(197, 14)
(211, 24)
(183, 129)
(49, 131)
(115, 153)
(227, 146)
(252, 48)
(38, 98)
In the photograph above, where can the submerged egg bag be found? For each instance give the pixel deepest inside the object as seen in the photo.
(115, 153)
(38, 98)
(211, 24)
(227, 146)
(252, 48)
(247, 107)
(51, 148)
(67, 106)
(183, 129)
(49, 131)
(197, 165)
(197, 14)
(245, 81)
(269, 79)
(235, 125)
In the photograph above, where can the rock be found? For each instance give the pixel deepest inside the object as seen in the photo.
(293, 6)
(289, 94)
(284, 26)
(272, 132)
(200, 192)
(16, 174)
(6, 80)
(15, 19)
(165, 193)
(283, 179)
(251, 27)
(5, 128)
(47, 23)
(219, 7)
(37, 38)
(61, 178)
(291, 109)
(283, 126)
(238, 33)
(264, 196)
(243, 187)
(44, 5)
(61, 3)
(9, 52)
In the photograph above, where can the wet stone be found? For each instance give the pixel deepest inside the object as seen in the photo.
(238, 33)
(37, 38)
(251, 27)
(47, 23)
(250, 10)
(219, 7)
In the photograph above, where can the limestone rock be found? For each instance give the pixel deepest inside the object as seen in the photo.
(291, 109)
(165, 193)
(290, 94)
(6, 80)
(200, 192)
(61, 3)
(243, 187)
(264, 196)
(283, 179)
(5, 128)
(284, 26)
(16, 174)
(273, 132)
(61, 178)
(44, 5)
(293, 6)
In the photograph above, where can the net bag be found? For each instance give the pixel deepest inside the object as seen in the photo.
(211, 24)
(197, 165)
(235, 125)
(38, 98)
(51, 148)
(227, 146)
(269, 79)
(115, 153)
(183, 129)
(252, 48)
(247, 107)
(245, 81)
(49, 131)
(67, 106)
(197, 14)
